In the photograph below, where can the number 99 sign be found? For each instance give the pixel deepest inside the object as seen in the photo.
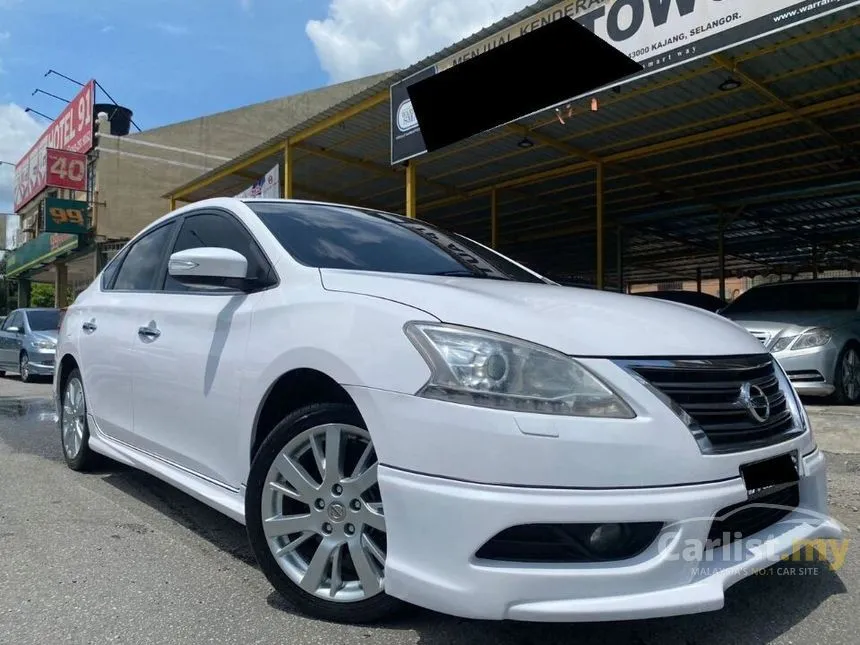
(65, 216)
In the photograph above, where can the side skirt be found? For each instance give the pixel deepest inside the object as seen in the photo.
(226, 500)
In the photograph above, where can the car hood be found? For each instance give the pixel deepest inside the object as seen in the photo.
(793, 321)
(44, 335)
(581, 322)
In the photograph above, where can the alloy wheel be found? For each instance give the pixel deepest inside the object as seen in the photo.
(851, 374)
(322, 513)
(24, 368)
(73, 419)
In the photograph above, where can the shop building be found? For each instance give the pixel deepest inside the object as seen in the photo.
(88, 185)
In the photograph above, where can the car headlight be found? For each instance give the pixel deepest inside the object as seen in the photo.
(782, 343)
(44, 344)
(815, 337)
(481, 368)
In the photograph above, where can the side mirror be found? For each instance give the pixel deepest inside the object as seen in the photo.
(14, 330)
(209, 266)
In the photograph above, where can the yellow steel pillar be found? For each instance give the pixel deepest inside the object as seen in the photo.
(494, 220)
(619, 259)
(61, 285)
(599, 232)
(411, 190)
(288, 170)
(172, 204)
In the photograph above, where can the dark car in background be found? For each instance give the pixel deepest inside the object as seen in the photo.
(693, 298)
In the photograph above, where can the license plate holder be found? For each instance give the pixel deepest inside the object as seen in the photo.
(770, 475)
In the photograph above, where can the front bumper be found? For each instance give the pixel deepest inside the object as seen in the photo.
(811, 371)
(42, 362)
(435, 526)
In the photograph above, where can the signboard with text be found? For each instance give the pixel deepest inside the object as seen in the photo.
(39, 251)
(66, 170)
(71, 131)
(268, 186)
(659, 34)
(65, 216)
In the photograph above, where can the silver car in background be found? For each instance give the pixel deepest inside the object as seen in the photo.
(28, 342)
(812, 327)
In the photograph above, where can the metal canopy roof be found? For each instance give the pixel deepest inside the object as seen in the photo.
(776, 160)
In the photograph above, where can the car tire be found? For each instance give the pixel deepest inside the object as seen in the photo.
(298, 574)
(847, 376)
(74, 426)
(24, 368)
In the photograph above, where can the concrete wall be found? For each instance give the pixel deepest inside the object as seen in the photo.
(133, 172)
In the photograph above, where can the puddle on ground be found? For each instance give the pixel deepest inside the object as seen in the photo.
(37, 410)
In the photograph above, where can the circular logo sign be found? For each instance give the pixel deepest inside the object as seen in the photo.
(406, 116)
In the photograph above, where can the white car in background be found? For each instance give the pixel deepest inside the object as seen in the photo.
(397, 413)
(812, 327)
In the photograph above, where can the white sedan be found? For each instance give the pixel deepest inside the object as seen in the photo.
(397, 413)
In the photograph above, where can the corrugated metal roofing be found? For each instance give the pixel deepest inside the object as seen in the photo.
(679, 152)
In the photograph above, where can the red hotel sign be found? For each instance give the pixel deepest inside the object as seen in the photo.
(66, 169)
(71, 131)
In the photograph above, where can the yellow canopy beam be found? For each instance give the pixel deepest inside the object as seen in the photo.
(411, 190)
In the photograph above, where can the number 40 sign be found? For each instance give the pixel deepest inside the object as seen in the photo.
(66, 169)
(65, 216)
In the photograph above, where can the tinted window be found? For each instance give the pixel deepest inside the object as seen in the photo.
(210, 229)
(14, 320)
(340, 237)
(47, 320)
(801, 296)
(143, 261)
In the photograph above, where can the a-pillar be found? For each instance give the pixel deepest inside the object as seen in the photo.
(411, 190)
(61, 285)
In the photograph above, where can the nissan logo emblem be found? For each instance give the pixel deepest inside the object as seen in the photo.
(753, 399)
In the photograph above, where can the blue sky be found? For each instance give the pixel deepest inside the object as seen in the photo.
(168, 60)
(172, 60)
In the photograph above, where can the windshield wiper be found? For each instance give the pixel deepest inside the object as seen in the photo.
(456, 273)
(465, 273)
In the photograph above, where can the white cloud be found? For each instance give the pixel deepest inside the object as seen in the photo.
(18, 131)
(361, 37)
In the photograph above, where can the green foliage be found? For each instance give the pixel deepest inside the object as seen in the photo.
(41, 295)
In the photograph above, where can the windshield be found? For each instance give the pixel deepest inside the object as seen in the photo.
(341, 237)
(47, 320)
(799, 296)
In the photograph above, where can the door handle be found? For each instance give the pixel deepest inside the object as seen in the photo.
(150, 333)
(89, 326)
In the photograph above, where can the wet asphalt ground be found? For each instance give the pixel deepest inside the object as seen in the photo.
(118, 557)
